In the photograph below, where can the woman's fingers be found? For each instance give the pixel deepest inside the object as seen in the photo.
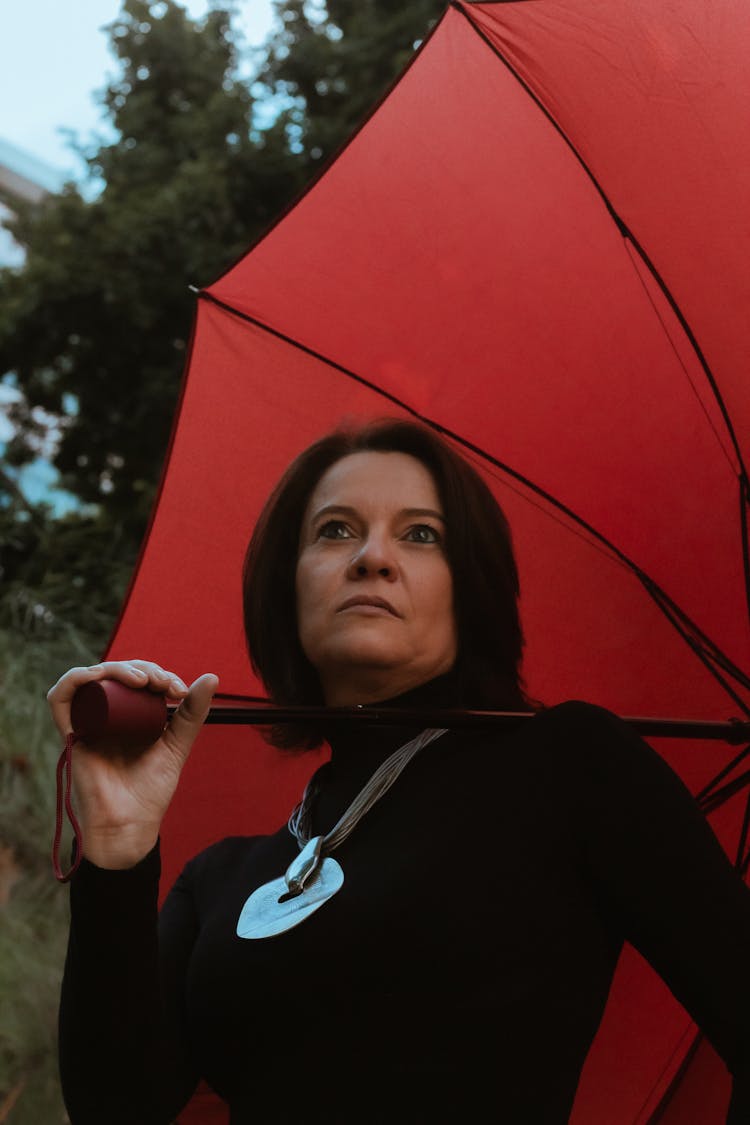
(185, 724)
(159, 679)
(60, 695)
(132, 673)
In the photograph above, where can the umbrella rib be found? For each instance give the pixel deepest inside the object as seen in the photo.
(706, 650)
(742, 855)
(661, 598)
(655, 1114)
(707, 792)
(744, 504)
(722, 795)
(621, 226)
(630, 237)
(742, 845)
(402, 405)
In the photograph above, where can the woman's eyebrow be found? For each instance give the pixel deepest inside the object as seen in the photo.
(338, 509)
(347, 510)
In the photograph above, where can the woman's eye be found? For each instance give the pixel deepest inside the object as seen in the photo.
(334, 529)
(423, 533)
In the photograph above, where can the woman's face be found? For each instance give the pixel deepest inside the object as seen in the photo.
(374, 589)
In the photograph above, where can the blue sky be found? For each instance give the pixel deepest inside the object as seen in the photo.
(54, 56)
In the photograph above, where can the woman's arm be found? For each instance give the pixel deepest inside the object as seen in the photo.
(123, 1048)
(124, 1055)
(669, 885)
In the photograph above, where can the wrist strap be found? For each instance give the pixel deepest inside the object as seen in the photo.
(64, 778)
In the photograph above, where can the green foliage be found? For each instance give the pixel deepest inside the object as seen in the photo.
(100, 315)
(34, 918)
(32, 951)
(336, 68)
(62, 573)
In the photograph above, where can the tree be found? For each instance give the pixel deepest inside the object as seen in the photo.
(95, 325)
(335, 61)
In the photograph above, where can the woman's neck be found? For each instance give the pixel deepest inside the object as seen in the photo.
(378, 686)
(438, 693)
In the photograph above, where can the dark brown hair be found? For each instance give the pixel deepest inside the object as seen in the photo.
(480, 554)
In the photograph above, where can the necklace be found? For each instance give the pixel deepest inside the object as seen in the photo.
(314, 876)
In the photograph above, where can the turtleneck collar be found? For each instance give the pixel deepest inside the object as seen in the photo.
(359, 748)
(380, 738)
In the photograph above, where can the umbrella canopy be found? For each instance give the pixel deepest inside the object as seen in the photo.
(537, 243)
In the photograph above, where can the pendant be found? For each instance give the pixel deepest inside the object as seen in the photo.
(285, 902)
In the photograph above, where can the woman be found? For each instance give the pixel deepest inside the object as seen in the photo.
(448, 958)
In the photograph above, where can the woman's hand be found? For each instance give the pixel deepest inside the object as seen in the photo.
(121, 798)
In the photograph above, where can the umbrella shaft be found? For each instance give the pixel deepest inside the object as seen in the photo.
(733, 731)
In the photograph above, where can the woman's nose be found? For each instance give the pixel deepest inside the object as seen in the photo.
(372, 558)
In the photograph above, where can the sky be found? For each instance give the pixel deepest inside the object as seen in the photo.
(54, 56)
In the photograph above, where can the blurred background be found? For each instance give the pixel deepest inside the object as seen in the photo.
(143, 148)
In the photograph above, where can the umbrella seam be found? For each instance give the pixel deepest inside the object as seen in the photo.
(629, 244)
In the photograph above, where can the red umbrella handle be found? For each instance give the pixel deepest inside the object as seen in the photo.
(106, 715)
(105, 711)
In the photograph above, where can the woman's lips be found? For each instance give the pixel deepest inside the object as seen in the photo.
(368, 604)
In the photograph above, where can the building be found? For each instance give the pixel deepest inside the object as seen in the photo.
(22, 176)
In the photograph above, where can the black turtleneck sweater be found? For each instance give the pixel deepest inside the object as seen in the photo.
(461, 972)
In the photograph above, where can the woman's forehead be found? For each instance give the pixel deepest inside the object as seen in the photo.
(371, 476)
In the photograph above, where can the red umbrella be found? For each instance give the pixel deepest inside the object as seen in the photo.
(538, 243)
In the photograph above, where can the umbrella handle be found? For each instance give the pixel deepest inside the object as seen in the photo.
(106, 713)
(112, 718)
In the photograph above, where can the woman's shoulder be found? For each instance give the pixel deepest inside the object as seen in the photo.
(576, 711)
(564, 739)
(605, 744)
(582, 718)
(548, 730)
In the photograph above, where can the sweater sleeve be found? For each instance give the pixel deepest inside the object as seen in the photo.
(670, 886)
(123, 1048)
